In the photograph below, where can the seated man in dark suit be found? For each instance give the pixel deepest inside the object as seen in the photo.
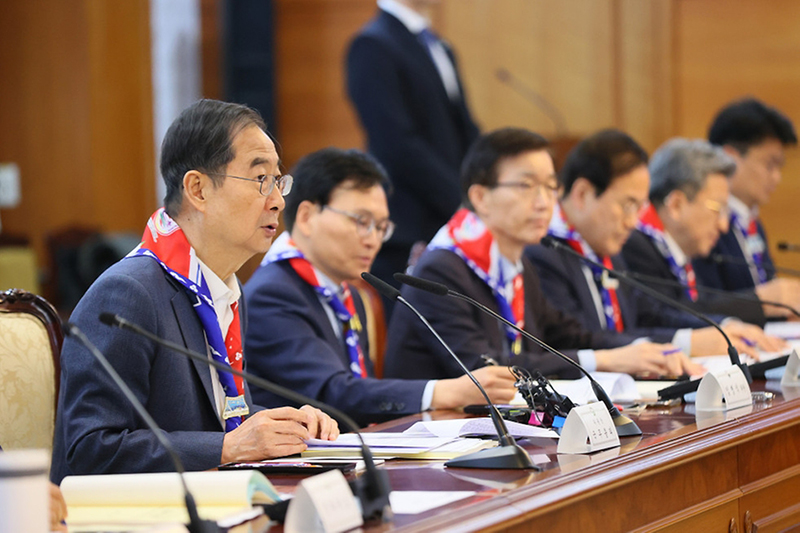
(509, 188)
(308, 327)
(756, 136)
(224, 195)
(688, 210)
(605, 184)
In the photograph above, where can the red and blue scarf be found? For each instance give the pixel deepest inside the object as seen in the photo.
(561, 229)
(284, 249)
(165, 242)
(468, 237)
(651, 225)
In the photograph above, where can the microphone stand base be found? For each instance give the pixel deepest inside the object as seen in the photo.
(626, 427)
(511, 457)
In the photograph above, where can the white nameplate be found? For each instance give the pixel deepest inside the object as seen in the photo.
(588, 429)
(723, 390)
(791, 377)
(323, 503)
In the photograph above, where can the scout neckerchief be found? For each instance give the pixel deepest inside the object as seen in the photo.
(164, 241)
(560, 228)
(651, 225)
(754, 245)
(467, 236)
(284, 248)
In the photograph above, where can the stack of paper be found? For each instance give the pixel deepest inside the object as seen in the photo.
(475, 427)
(389, 445)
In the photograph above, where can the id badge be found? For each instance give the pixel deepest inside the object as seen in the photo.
(235, 406)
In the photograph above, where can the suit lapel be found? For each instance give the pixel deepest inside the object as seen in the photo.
(194, 339)
(574, 268)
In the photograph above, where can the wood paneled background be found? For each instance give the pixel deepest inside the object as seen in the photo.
(76, 104)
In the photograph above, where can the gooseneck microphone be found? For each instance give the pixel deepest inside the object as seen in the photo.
(196, 524)
(508, 455)
(710, 290)
(372, 488)
(784, 246)
(624, 425)
(731, 260)
(680, 389)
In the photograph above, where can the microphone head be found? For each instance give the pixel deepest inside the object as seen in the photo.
(423, 284)
(381, 286)
(548, 241)
(502, 74)
(109, 319)
(783, 246)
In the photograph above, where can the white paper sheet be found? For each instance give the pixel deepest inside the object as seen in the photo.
(475, 427)
(419, 501)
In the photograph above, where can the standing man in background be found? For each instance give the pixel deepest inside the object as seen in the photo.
(756, 136)
(404, 83)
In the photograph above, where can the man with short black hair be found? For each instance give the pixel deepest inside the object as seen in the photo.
(509, 188)
(224, 195)
(756, 136)
(308, 326)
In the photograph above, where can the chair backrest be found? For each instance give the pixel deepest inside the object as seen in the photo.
(30, 346)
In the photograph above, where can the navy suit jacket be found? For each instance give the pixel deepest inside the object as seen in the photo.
(734, 275)
(564, 284)
(97, 431)
(291, 341)
(641, 255)
(413, 352)
(413, 128)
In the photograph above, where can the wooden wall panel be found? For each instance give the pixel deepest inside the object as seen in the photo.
(733, 49)
(76, 114)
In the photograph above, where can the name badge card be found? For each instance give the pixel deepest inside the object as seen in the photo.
(723, 390)
(323, 503)
(791, 376)
(588, 429)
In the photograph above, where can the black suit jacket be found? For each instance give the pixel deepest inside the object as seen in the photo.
(413, 352)
(564, 284)
(734, 275)
(291, 342)
(413, 128)
(641, 255)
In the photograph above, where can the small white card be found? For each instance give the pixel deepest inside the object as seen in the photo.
(791, 376)
(722, 390)
(588, 428)
(323, 503)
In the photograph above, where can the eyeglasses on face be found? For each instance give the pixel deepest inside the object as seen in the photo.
(366, 224)
(548, 190)
(266, 182)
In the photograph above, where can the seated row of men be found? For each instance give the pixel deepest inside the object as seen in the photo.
(300, 324)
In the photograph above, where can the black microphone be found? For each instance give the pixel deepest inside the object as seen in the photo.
(675, 391)
(728, 259)
(508, 454)
(784, 246)
(196, 524)
(625, 426)
(710, 290)
(372, 488)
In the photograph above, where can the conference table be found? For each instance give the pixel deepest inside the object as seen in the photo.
(731, 472)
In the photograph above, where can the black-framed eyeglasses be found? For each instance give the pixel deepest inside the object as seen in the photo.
(534, 189)
(284, 182)
(365, 224)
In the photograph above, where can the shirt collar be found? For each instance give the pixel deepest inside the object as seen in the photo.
(223, 293)
(743, 213)
(328, 283)
(410, 18)
(509, 268)
(677, 253)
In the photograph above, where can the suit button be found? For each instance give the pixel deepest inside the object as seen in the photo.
(399, 406)
(385, 406)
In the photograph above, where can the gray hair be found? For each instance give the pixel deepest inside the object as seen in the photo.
(684, 164)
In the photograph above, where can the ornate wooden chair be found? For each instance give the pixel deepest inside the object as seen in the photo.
(30, 347)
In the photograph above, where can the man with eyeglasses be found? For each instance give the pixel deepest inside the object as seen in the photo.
(687, 213)
(606, 183)
(756, 136)
(307, 323)
(508, 192)
(180, 285)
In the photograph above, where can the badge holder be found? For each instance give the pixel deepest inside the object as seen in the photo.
(588, 428)
(791, 376)
(323, 503)
(723, 390)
